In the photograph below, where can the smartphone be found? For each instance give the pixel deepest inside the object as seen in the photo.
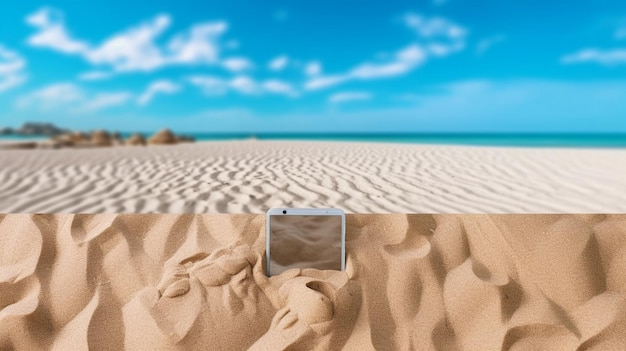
(305, 238)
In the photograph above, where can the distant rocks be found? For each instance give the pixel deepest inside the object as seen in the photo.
(35, 129)
(163, 137)
(136, 140)
(101, 138)
(61, 138)
(167, 137)
(19, 145)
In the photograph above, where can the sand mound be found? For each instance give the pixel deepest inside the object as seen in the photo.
(186, 282)
(253, 176)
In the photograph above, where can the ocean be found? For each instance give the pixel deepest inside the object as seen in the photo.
(514, 140)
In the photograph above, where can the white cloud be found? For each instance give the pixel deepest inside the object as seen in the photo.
(487, 43)
(400, 63)
(405, 60)
(603, 57)
(12, 67)
(324, 82)
(53, 96)
(209, 85)
(103, 101)
(157, 87)
(95, 75)
(237, 64)
(73, 97)
(279, 87)
(199, 45)
(134, 49)
(620, 34)
(434, 27)
(10, 61)
(436, 37)
(278, 63)
(244, 85)
(313, 68)
(214, 86)
(10, 82)
(443, 50)
(52, 33)
(346, 96)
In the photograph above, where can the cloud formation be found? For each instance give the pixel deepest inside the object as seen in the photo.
(237, 64)
(435, 38)
(347, 96)
(279, 87)
(72, 97)
(135, 49)
(278, 63)
(313, 68)
(12, 69)
(402, 62)
(104, 100)
(52, 96)
(95, 75)
(156, 88)
(52, 33)
(434, 27)
(244, 85)
(610, 57)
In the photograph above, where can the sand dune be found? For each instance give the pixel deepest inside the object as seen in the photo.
(252, 176)
(446, 282)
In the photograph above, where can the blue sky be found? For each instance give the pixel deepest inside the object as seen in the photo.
(308, 66)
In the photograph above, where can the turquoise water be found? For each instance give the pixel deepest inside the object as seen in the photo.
(525, 140)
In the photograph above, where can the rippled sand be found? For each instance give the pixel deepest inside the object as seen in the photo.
(252, 176)
(413, 282)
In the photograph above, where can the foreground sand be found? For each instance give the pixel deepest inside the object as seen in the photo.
(252, 176)
(446, 282)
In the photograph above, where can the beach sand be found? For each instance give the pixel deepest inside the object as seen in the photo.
(252, 176)
(413, 282)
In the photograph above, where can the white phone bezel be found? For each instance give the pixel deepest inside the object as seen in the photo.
(304, 212)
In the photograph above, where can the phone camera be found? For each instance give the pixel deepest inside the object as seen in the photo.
(284, 211)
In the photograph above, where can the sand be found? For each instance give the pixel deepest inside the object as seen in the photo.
(413, 282)
(253, 176)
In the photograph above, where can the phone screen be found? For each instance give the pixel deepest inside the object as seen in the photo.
(305, 241)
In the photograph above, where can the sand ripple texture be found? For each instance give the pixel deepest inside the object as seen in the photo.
(253, 176)
(412, 282)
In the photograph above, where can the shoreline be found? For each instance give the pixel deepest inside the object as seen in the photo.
(523, 140)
